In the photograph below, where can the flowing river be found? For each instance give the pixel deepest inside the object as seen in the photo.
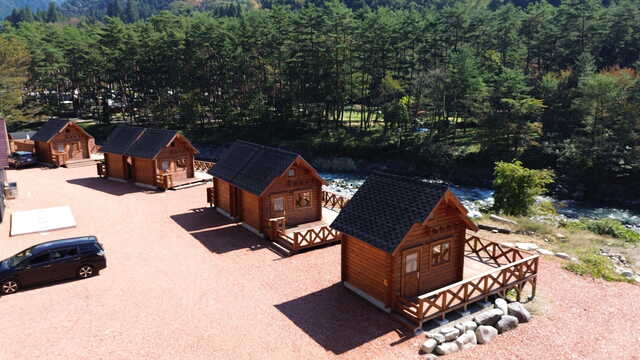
(477, 198)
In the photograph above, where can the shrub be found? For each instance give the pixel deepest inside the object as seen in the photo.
(595, 265)
(606, 226)
(516, 187)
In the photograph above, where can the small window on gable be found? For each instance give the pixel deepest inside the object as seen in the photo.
(440, 253)
(67, 130)
(291, 172)
(173, 144)
(411, 263)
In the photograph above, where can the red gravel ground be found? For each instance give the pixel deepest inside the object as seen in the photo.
(184, 283)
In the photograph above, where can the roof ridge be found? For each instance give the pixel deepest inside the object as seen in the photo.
(409, 179)
(267, 147)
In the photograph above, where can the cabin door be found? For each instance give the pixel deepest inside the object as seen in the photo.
(180, 171)
(277, 205)
(411, 272)
(75, 151)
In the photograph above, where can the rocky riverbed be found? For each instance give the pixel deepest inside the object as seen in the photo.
(475, 199)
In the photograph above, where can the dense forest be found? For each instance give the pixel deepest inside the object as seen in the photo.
(449, 87)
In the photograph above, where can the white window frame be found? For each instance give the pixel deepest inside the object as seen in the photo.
(162, 165)
(411, 263)
(278, 204)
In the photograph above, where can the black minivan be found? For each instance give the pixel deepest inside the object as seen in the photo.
(80, 257)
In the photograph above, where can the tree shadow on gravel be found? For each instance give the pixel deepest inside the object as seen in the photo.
(109, 186)
(217, 233)
(339, 320)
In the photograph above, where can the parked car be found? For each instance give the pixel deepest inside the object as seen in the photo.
(21, 159)
(80, 257)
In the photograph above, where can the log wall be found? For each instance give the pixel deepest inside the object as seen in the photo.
(367, 268)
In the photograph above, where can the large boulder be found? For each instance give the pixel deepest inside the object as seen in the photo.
(437, 337)
(526, 246)
(470, 325)
(506, 323)
(467, 340)
(490, 317)
(450, 333)
(542, 251)
(519, 311)
(447, 348)
(428, 346)
(485, 334)
(501, 304)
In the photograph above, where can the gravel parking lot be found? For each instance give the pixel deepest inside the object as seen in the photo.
(184, 283)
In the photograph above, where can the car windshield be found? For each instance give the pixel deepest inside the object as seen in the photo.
(18, 258)
(23, 154)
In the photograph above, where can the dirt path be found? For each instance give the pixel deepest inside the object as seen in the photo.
(184, 283)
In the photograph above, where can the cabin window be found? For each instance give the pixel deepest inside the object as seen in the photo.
(303, 199)
(164, 165)
(278, 204)
(440, 253)
(411, 263)
(291, 172)
(181, 163)
(60, 147)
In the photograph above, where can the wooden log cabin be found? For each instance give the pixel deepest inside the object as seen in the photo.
(61, 142)
(4, 164)
(256, 183)
(401, 238)
(22, 141)
(148, 157)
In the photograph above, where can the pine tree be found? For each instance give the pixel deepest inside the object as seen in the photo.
(53, 14)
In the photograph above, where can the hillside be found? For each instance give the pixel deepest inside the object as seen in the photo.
(7, 5)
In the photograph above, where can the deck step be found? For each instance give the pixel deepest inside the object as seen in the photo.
(280, 249)
(188, 185)
(81, 163)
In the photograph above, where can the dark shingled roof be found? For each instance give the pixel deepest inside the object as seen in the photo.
(121, 139)
(49, 130)
(252, 167)
(385, 207)
(22, 135)
(151, 142)
(4, 145)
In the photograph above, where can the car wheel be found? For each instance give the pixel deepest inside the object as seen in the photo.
(85, 271)
(9, 287)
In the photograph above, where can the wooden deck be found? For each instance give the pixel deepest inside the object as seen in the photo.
(307, 235)
(327, 218)
(489, 268)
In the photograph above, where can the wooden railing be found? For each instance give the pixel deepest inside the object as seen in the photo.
(102, 169)
(512, 275)
(491, 252)
(203, 166)
(333, 201)
(164, 181)
(303, 239)
(57, 159)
